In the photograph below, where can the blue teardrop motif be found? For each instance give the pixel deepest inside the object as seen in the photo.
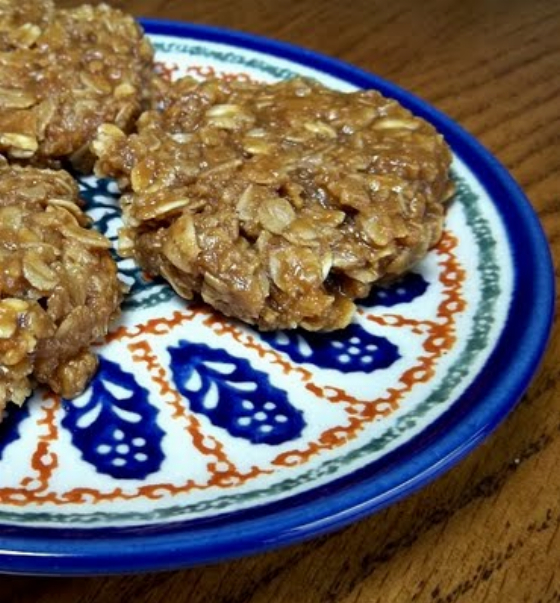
(352, 349)
(114, 425)
(409, 287)
(233, 395)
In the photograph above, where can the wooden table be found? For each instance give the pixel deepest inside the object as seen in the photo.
(488, 531)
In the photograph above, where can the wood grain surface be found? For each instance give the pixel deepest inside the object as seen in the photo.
(489, 530)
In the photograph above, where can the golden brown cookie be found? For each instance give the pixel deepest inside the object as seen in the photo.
(277, 204)
(65, 72)
(58, 285)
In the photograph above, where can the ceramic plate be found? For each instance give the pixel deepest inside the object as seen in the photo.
(201, 439)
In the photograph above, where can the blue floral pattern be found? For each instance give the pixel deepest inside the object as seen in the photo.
(406, 289)
(352, 350)
(233, 395)
(114, 425)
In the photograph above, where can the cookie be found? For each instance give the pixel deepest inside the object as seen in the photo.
(59, 289)
(65, 72)
(277, 204)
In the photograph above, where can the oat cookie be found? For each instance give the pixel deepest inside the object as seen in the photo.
(58, 285)
(277, 204)
(65, 72)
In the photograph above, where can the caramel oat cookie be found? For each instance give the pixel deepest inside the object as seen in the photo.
(278, 204)
(58, 285)
(65, 72)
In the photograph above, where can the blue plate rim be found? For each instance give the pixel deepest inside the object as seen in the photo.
(441, 445)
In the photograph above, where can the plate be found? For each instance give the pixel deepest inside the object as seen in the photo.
(201, 439)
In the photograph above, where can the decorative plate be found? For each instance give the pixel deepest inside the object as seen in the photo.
(201, 439)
